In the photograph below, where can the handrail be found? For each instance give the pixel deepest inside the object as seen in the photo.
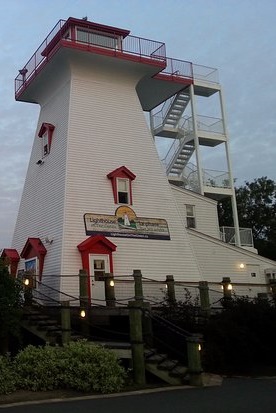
(130, 45)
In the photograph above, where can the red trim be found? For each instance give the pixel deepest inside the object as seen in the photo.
(13, 259)
(34, 248)
(122, 172)
(97, 244)
(112, 52)
(174, 78)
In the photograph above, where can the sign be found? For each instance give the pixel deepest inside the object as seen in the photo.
(126, 224)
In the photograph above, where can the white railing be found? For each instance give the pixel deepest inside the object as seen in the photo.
(211, 178)
(207, 74)
(190, 177)
(228, 235)
(216, 179)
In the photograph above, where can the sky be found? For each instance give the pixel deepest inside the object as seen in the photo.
(235, 36)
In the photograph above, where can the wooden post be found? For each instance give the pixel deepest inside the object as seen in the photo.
(28, 289)
(65, 322)
(84, 302)
(227, 288)
(147, 324)
(138, 285)
(194, 361)
(109, 290)
(170, 289)
(137, 344)
(83, 289)
(204, 298)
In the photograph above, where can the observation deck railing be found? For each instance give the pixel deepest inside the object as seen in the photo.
(130, 45)
(227, 234)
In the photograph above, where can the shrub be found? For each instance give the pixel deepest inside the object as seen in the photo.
(87, 367)
(79, 366)
(37, 368)
(7, 376)
(241, 339)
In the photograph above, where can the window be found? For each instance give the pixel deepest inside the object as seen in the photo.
(46, 134)
(121, 179)
(45, 144)
(123, 191)
(190, 216)
(98, 39)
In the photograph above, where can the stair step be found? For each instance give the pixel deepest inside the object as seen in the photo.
(167, 364)
(46, 323)
(51, 329)
(156, 358)
(179, 371)
(149, 352)
(37, 317)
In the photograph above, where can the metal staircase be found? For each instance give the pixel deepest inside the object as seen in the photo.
(166, 122)
(181, 156)
(176, 109)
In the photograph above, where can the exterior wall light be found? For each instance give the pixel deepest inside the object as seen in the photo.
(229, 287)
(111, 283)
(82, 314)
(199, 347)
(26, 281)
(242, 265)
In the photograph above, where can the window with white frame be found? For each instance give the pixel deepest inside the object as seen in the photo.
(45, 144)
(98, 39)
(190, 216)
(123, 190)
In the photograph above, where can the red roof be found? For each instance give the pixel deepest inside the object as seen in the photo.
(89, 242)
(122, 170)
(10, 253)
(35, 244)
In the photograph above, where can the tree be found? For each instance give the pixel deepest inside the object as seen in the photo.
(10, 306)
(256, 203)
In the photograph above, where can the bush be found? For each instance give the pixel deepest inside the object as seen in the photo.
(241, 339)
(38, 368)
(79, 366)
(87, 367)
(7, 376)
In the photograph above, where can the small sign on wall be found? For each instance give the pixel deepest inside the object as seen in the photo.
(126, 224)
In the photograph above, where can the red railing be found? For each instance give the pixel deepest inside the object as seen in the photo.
(37, 59)
(131, 45)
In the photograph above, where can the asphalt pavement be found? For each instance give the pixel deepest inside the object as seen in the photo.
(235, 395)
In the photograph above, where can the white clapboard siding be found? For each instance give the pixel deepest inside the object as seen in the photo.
(107, 129)
(42, 204)
(218, 259)
(206, 216)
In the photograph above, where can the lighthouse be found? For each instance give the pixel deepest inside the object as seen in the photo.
(97, 196)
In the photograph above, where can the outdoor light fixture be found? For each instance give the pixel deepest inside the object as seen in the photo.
(82, 314)
(111, 283)
(242, 265)
(26, 281)
(229, 287)
(199, 347)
